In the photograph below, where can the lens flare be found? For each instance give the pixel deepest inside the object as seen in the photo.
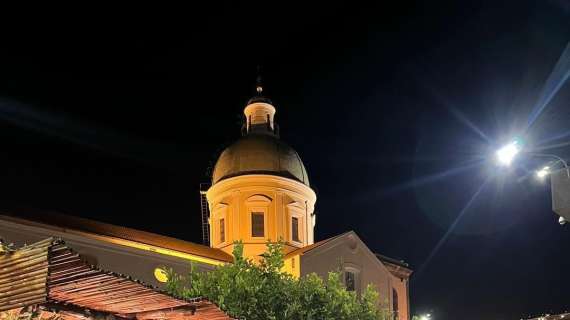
(452, 227)
(555, 81)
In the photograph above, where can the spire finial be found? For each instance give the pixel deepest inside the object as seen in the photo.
(258, 86)
(259, 95)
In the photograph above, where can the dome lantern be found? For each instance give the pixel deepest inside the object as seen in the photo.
(259, 113)
(260, 190)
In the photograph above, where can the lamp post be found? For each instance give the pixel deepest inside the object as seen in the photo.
(559, 182)
(559, 186)
(546, 170)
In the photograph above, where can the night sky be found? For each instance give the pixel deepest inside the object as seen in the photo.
(395, 110)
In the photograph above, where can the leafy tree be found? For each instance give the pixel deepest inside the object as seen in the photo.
(251, 291)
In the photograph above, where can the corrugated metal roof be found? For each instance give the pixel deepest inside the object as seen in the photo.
(50, 272)
(23, 276)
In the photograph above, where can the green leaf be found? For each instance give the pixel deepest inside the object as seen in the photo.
(250, 291)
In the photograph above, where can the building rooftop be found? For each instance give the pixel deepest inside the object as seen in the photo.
(397, 262)
(50, 275)
(565, 315)
(397, 267)
(260, 154)
(66, 223)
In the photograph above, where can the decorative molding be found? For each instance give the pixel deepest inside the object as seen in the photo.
(220, 206)
(259, 198)
(296, 204)
(254, 182)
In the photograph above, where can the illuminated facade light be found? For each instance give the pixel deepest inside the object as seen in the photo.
(160, 275)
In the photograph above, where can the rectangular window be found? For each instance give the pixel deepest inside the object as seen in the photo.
(295, 229)
(257, 225)
(395, 307)
(222, 231)
(349, 281)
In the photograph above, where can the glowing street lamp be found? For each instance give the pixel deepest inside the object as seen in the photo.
(560, 180)
(559, 185)
(543, 172)
(425, 317)
(547, 170)
(507, 153)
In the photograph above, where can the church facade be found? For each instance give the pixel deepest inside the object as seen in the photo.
(260, 192)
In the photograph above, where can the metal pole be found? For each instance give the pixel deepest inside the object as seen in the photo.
(548, 155)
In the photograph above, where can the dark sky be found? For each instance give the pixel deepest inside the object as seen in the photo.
(118, 115)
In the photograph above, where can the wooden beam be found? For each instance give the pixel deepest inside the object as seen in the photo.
(40, 298)
(79, 311)
(183, 312)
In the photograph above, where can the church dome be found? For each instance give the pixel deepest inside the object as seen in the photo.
(260, 189)
(258, 153)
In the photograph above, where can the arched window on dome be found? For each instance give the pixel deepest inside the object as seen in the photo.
(258, 208)
(296, 223)
(295, 229)
(258, 224)
(222, 230)
(218, 225)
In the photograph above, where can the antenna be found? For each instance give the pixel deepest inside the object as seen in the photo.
(258, 84)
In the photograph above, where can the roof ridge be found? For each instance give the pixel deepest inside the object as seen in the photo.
(315, 245)
(64, 222)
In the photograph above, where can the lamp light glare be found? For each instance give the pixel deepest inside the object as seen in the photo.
(543, 172)
(506, 154)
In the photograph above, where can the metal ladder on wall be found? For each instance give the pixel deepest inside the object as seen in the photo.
(205, 214)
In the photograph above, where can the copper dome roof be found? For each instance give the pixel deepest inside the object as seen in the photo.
(260, 154)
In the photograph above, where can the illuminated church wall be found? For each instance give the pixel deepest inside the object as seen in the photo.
(135, 259)
(349, 254)
(282, 202)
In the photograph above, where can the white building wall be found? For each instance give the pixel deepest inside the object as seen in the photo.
(349, 252)
(139, 264)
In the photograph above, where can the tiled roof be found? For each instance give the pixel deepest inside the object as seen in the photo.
(397, 262)
(308, 248)
(61, 222)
